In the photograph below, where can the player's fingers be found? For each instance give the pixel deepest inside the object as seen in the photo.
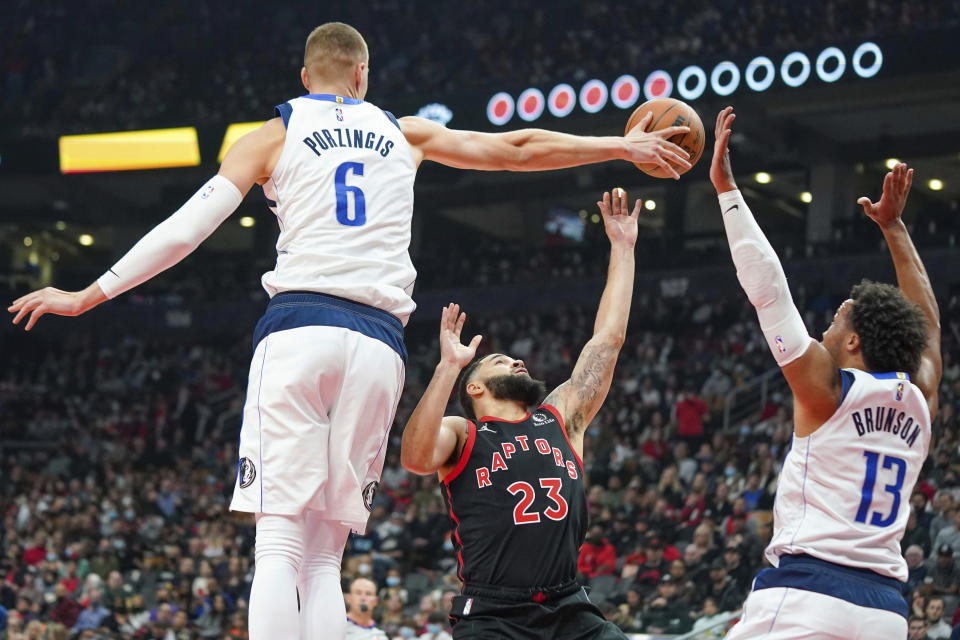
(460, 322)
(866, 204)
(683, 157)
(636, 209)
(475, 342)
(663, 162)
(728, 121)
(676, 160)
(34, 317)
(669, 132)
(620, 201)
(605, 204)
(24, 311)
(909, 181)
(645, 120)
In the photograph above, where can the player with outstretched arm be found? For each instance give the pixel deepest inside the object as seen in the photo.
(864, 397)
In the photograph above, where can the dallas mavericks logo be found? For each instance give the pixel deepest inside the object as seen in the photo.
(369, 492)
(247, 472)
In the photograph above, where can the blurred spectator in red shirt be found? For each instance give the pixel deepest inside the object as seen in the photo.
(597, 556)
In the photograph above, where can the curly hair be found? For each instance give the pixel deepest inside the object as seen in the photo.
(892, 329)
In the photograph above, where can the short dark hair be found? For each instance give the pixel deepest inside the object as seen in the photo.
(466, 402)
(892, 329)
(334, 47)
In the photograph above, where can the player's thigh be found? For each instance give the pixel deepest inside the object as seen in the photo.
(366, 404)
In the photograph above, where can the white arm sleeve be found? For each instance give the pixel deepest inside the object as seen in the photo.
(175, 238)
(762, 278)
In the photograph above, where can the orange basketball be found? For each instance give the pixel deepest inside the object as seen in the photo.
(668, 112)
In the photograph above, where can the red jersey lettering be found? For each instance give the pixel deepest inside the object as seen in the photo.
(571, 469)
(483, 478)
(542, 446)
(558, 457)
(523, 442)
(497, 463)
(508, 450)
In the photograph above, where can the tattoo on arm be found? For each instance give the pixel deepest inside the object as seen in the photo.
(590, 380)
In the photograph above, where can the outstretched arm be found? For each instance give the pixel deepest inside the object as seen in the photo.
(808, 367)
(250, 160)
(430, 439)
(911, 274)
(579, 399)
(538, 149)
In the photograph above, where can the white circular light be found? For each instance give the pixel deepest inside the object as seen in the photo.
(867, 72)
(826, 54)
(247, 221)
(799, 79)
(762, 177)
(806, 197)
(731, 85)
(500, 108)
(650, 205)
(27, 241)
(562, 100)
(891, 163)
(85, 239)
(593, 96)
(530, 104)
(625, 91)
(658, 84)
(935, 184)
(769, 73)
(693, 71)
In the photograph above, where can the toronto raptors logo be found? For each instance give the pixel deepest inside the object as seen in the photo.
(247, 472)
(369, 492)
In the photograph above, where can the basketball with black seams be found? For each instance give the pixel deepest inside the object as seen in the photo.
(670, 112)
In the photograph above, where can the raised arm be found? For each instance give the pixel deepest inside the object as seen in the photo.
(911, 274)
(430, 440)
(250, 160)
(579, 398)
(809, 368)
(538, 149)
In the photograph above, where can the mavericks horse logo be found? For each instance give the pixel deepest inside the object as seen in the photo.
(246, 472)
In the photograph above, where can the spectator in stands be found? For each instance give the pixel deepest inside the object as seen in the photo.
(666, 613)
(721, 587)
(917, 629)
(943, 573)
(937, 627)
(915, 533)
(92, 615)
(597, 556)
(950, 534)
(690, 412)
(916, 569)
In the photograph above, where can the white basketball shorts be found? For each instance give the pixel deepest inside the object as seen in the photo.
(807, 598)
(325, 380)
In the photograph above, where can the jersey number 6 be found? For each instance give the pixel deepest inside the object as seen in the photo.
(343, 202)
(520, 513)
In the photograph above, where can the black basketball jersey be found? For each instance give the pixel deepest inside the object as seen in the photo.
(517, 502)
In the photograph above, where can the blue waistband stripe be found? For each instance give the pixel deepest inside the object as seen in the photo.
(861, 587)
(303, 309)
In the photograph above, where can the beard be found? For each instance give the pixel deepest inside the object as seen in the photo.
(516, 387)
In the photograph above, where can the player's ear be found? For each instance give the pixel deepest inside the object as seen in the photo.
(852, 343)
(358, 77)
(475, 388)
(305, 79)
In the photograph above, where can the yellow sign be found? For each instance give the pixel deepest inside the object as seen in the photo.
(234, 133)
(128, 150)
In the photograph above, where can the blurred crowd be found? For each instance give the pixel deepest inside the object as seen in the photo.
(89, 66)
(119, 455)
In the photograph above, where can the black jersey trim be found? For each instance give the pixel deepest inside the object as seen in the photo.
(464, 456)
(556, 414)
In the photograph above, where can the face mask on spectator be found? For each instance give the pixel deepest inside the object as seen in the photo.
(448, 545)
(730, 472)
(433, 628)
(407, 632)
(393, 581)
(364, 569)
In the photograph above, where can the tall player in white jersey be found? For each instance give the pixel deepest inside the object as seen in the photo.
(328, 363)
(864, 398)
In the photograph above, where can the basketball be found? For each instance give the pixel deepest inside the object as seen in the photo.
(669, 112)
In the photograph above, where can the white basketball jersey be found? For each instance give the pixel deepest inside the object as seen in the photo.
(844, 491)
(343, 189)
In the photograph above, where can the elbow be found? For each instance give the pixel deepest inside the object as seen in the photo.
(415, 464)
(611, 338)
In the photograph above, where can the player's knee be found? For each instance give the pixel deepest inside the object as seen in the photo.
(279, 539)
(759, 273)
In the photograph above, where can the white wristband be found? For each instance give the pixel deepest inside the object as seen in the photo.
(174, 238)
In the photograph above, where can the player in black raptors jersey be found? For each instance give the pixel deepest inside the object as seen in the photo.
(512, 476)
